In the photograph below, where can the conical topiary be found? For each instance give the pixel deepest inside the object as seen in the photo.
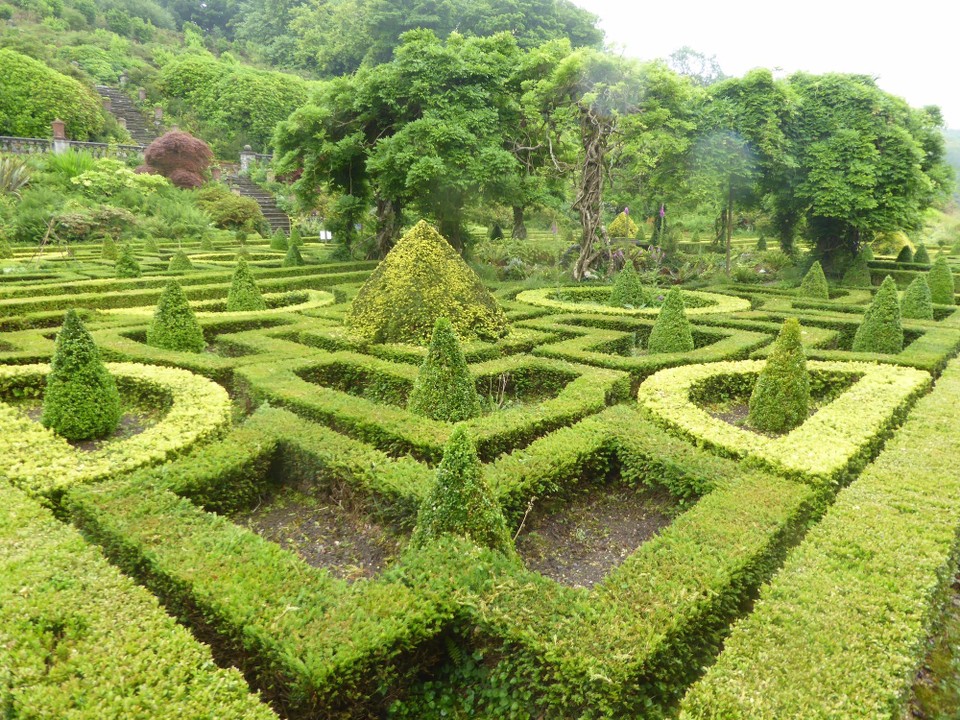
(108, 250)
(180, 263)
(295, 238)
(762, 243)
(940, 280)
(867, 252)
(628, 292)
(858, 274)
(814, 283)
(921, 255)
(174, 326)
(905, 255)
(622, 226)
(150, 246)
(781, 398)
(671, 332)
(293, 257)
(206, 244)
(81, 400)
(916, 303)
(279, 241)
(496, 232)
(244, 295)
(444, 389)
(460, 503)
(126, 265)
(881, 330)
(421, 279)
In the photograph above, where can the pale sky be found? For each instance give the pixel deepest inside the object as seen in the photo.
(912, 48)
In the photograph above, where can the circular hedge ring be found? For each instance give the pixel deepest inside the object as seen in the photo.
(568, 300)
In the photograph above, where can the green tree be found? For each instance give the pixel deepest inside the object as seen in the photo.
(293, 257)
(858, 274)
(781, 398)
(126, 265)
(444, 389)
(881, 330)
(174, 326)
(279, 241)
(628, 291)
(460, 503)
(81, 401)
(814, 284)
(671, 332)
(940, 279)
(244, 295)
(180, 263)
(916, 302)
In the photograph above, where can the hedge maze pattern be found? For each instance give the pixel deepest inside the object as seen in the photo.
(838, 631)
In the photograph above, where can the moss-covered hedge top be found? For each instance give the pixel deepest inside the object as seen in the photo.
(421, 279)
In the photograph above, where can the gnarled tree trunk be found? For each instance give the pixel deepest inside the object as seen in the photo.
(388, 225)
(519, 227)
(595, 131)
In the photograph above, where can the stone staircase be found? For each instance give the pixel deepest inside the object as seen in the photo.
(142, 130)
(277, 219)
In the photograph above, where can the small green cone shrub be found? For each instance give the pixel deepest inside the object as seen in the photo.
(460, 503)
(781, 398)
(762, 243)
(622, 226)
(916, 302)
(867, 252)
(293, 257)
(496, 232)
(174, 326)
(295, 239)
(150, 246)
(940, 280)
(921, 255)
(814, 283)
(127, 265)
(279, 241)
(180, 263)
(206, 244)
(444, 389)
(109, 249)
(671, 331)
(244, 294)
(627, 290)
(81, 400)
(905, 255)
(858, 274)
(881, 330)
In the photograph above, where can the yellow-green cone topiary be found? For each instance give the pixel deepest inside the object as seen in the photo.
(622, 226)
(81, 401)
(180, 263)
(627, 290)
(174, 326)
(881, 330)
(244, 295)
(921, 255)
(940, 280)
(858, 274)
(905, 255)
(421, 279)
(916, 303)
(814, 283)
(460, 503)
(293, 257)
(781, 398)
(279, 241)
(671, 331)
(444, 389)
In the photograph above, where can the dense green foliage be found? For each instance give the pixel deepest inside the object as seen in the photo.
(858, 274)
(81, 399)
(921, 255)
(671, 332)
(180, 263)
(278, 241)
(244, 295)
(905, 255)
(228, 209)
(127, 265)
(622, 226)
(174, 326)
(385, 310)
(814, 283)
(444, 389)
(293, 258)
(781, 398)
(460, 503)
(33, 95)
(940, 279)
(881, 330)
(916, 302)
(628, 290)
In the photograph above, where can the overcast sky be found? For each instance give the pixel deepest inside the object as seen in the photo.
(912, 48)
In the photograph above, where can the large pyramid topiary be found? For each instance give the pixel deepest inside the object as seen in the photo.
(628, 291)
(180, 263)
(126, 265)
(671, 331)
(460, 503)
(905, 255)
(940, 280)
(921, 255)
(916, 303)
(781, 397)
(244, 295)
(174, 326)
(814, 283)
(881, 330)
(444, 389)
(421, 279)
(622, 226)
(81, 401)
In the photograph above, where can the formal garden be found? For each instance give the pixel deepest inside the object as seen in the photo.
(514, 379)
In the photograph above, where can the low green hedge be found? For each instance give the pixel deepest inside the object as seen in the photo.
(841, 631)
(563, 299)
(82, 641)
